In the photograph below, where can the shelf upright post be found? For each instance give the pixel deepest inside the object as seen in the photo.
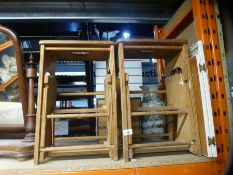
(206, 30)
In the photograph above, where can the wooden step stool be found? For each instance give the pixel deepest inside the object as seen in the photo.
(63, 50)
(182, 128)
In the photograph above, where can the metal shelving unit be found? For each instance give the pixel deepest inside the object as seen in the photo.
(204, 16)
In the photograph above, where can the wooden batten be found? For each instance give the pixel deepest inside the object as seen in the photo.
(81, 138)
(76, 147)
(79, 93)
(162, 149)
(166, 113)
(78, 153)
(148, 92)
(73, 111)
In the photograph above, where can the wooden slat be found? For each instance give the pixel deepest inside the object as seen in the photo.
(76, 43)
(80, 93)
(81, 138)
(39, 105)
(76, 147)
(158, 144)
(78, 152)
(148, 92)
(84, 49)
(152, 135)
(74, 111)
(162, 149)
(154, 42)
(123, 101)
(66, 116)
(153, 47)
(114, 103)
(158, 113)
(159, 108)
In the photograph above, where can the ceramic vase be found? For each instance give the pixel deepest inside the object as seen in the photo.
(153, 124)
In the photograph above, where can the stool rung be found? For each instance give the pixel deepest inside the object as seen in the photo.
(162, 149)
(78, 153)
(159, 108)
(66, 116)
(149, 92)
(152, 135)
(158, 113)
(158, 144)
(76, 147)
(74, 111)
(82, 138)
(80, 93)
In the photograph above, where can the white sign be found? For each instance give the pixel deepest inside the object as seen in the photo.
(61, 127)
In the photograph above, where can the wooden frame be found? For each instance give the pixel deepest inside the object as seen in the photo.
(184, 136)
(52, 51)
(20, 77)
(202, 96)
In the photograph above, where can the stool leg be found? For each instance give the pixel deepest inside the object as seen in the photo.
(129, 119)
(43, 124)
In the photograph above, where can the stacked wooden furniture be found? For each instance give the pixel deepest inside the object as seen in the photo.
(136, 124)
(182, 128)
(46, 143)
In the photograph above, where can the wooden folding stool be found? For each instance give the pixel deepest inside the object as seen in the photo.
(182, 132)
(63, 50)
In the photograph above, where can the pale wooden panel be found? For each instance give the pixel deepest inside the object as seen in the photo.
(189, 34)
(178, 15)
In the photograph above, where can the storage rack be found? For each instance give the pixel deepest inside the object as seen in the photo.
(202, 13)
(204, 16)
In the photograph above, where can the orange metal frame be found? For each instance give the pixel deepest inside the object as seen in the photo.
(206, 30)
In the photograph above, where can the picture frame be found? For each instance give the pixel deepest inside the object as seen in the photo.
(13, 85)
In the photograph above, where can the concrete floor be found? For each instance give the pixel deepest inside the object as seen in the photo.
(85, 163)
